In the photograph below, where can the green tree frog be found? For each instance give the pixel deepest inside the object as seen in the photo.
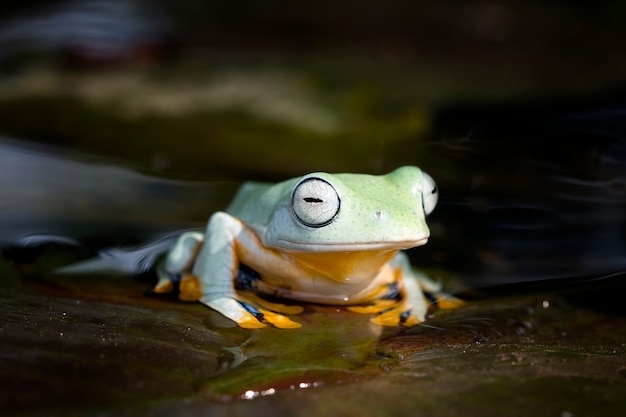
(323, 238)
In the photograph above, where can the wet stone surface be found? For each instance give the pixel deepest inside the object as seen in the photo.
(103, 345)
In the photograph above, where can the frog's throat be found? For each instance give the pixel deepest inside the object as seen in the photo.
(290, 245)
(350, 268)
(337, 278)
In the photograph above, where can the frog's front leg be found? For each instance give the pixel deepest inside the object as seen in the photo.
(216, 268)
(407, 299)
(176, 267)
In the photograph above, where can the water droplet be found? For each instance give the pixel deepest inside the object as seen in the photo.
(249, 395)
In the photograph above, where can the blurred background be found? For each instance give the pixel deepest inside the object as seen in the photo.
(125, 119)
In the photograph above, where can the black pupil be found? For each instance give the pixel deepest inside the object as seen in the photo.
(434, 190)
(313, 200)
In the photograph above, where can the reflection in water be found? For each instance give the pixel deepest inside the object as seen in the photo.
(51, 195)
(127, 261)
(333, 347)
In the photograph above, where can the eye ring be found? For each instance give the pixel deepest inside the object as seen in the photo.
(430, 193)
(315, 202)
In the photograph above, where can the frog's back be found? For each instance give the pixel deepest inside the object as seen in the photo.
(255, 202)
(245, 196)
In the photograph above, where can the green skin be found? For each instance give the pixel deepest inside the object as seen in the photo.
(323, 238)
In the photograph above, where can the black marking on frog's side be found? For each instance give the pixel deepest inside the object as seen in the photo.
(393, 292)
(431, 297)
(252, 310)
(246, 278)
(383, 312)
(404, 316)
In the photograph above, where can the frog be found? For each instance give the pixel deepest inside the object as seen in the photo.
(332, 239)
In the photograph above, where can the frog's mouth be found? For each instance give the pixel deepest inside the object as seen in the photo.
(350, 247)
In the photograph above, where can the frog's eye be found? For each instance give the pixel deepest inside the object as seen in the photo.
(430, 195)
(315, 202)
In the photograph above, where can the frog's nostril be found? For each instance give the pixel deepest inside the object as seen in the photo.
(378, 214)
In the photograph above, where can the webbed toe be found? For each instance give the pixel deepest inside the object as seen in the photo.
(163, 286)
(268, 312)
(189, 288)
(398, 316)
(249, 314)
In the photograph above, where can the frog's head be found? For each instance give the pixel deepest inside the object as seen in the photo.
(351, 212)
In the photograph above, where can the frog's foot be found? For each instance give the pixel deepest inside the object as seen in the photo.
(164, 285)
(389, 313)
(375, 308)
(166, 281)
(396, 316)
(248, 313)
(443, 301)
(252, 298)
(189, 288)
